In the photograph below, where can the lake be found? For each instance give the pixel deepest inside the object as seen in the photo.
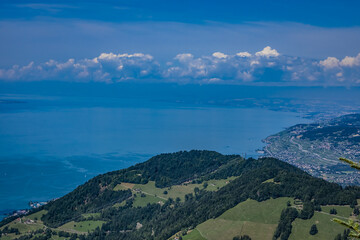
(49, 145)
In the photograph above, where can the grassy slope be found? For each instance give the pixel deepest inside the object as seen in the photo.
(250, 216)
(245, 218)
(148, 199)
(327, 229)
(24, 228)
(83, 226)
(154, 194)
(72, 227)
(343, 211)
(37, 216)
(194, 235)
(267, 212)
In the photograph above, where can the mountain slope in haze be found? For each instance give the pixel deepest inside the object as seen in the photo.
(172, 193)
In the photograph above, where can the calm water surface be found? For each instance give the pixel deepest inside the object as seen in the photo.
(48, 146)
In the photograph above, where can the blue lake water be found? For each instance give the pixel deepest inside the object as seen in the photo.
(50, 145)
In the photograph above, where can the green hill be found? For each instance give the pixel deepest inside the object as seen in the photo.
(202, 193)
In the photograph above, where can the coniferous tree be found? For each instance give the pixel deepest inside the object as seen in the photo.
(333, 211)
(313, 229)
(356, 211)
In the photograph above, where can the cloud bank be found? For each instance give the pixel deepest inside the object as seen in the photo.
(267, 67)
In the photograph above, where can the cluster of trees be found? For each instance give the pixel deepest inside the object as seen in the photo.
(283, 230)
(174, 168)
(46, 234)
(8, 220)
(343, 236)
(288, 215)
(9, 230)
(308, 210)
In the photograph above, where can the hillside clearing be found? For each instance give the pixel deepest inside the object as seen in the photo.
(243, 219)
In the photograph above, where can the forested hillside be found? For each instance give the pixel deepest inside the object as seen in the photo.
(205, 184)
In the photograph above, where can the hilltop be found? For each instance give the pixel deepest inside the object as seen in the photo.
(187, 194)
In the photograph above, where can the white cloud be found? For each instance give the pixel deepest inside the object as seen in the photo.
(254, 62)
(268, 52)
(266, 66)
(107, 56)
(112, 56)
(219, 55)
(183, 57)
(107, 67)
(351, 61)
(243, 54)
(330, 62)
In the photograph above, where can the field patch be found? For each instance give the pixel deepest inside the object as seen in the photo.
(221, 229)
(91, 215)
(37, 216)
(267, 212)
(327, 229)
(123, 186)
(24, 225)
(83, 226)
(343, 211)
(194, 235)
(246, 218)
(176, 190)
(117, 205)
(147, 199)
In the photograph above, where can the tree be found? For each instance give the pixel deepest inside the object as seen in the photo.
(308, 210)
(313, 229)
(317, 208)
(356, 211)
(333, 211)
(350, 224)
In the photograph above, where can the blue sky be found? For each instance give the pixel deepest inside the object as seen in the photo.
(328, 13)
(303, 33)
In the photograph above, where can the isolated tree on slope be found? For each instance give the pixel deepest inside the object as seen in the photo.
(313, 230)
